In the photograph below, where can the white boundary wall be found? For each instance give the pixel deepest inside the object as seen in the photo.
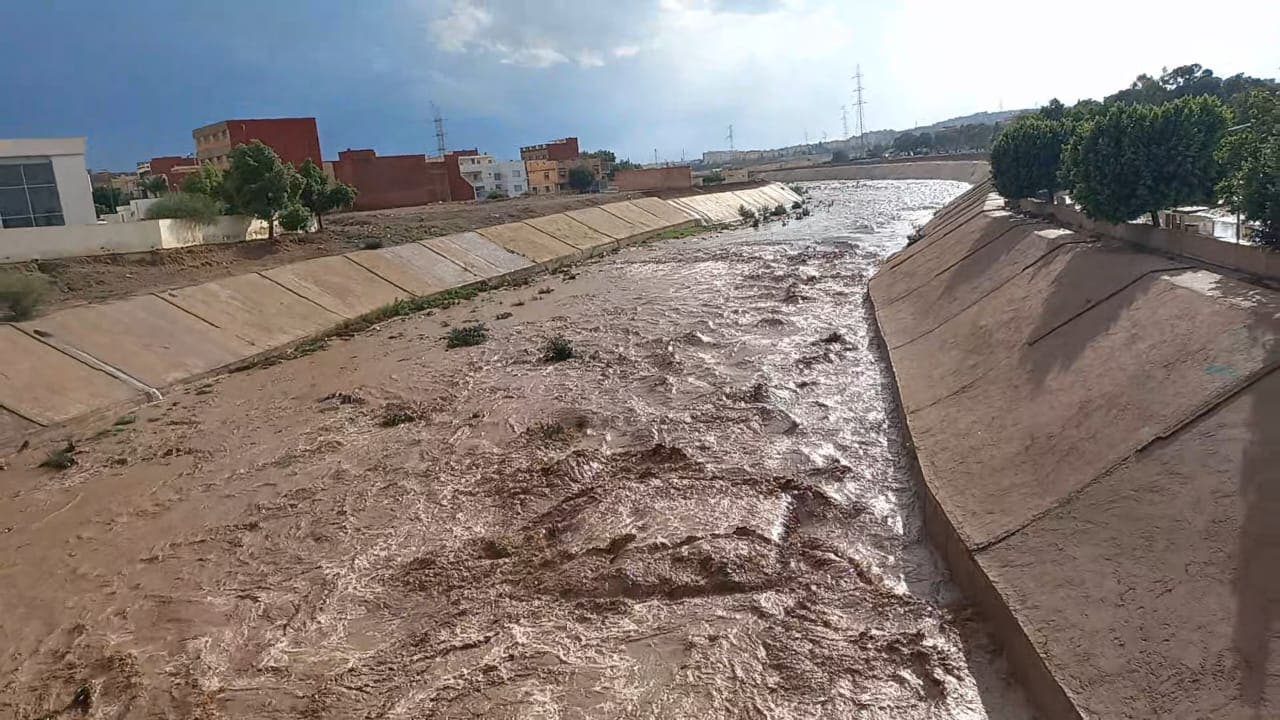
(47, 243)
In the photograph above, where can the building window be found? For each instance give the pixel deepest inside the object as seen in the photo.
(29, 195)
(517, 188)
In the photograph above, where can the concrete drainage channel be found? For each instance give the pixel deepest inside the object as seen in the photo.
(95, 360)
(1098, 435)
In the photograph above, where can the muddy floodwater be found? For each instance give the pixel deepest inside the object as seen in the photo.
(706, 513)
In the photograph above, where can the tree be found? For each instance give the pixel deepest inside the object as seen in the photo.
(581, 178)
(1133, 159)
(1026, 156)
(1054, 110)
(200, 209)
(840, 156)
(317, 195)
(154, 185)
(294, 217)
(206, 182)
(1250, 159)
(259, 184)
(604, 155)
(109, 198)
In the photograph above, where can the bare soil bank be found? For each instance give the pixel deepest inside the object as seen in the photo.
(96, 279)
(706, 513)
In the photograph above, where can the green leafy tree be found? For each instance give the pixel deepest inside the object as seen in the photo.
(295, 217)
(581, 178)
(1133, 159)
(1250, 158)
(108, 198)
(259, 184)
(200, 209)
(1026, 156)
(316, 194)
(206, 182)
(154, 185)
(604, 155)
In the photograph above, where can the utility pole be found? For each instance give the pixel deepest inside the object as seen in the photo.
(439, 123)
(844, 120)
(806, 136)
(655, 156)
(730, 137)
(859, 103)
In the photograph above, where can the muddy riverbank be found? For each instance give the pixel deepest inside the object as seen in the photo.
(707, 512)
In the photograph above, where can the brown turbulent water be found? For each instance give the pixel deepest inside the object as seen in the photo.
(708, 513)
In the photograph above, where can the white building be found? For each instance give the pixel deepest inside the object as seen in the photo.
(44, 183)
(487, 174)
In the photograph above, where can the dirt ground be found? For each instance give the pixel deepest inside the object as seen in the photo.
(75, 281)
(707, 512)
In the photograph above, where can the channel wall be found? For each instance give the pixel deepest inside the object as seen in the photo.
(95, 360)
(1096, 421)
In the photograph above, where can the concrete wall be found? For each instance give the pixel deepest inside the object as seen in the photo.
(23, 244)
(1251, 259)
(665, 178)
(971, 171)
(391, 181)
(74, 190)
(1097, 429)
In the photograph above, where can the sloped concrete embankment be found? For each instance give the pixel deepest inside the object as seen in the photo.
(1098, 435)
(970, 171)
(101, 358)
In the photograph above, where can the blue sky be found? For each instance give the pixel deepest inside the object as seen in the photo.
(136, 76)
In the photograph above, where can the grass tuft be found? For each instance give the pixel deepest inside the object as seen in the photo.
(557, 349)
(467, 336)
(61, 459)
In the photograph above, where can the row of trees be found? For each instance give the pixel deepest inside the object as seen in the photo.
(1125, 157)
(258, 183)
(973, 137)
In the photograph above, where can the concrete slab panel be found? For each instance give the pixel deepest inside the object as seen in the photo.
(338, 285)
(147, 338)
(415, 268)
(14, 429)
(1001, 308)
(605, 223)
(721, 207)
(929, 261)
(700, 215)
(478, 254)
(1088, 394)
(46, 386)
(254, 309)
(526, 240)
(778, 194)
(668, 213)
(759, 200)
(569, 231)
(1152, 592)
(636, 216)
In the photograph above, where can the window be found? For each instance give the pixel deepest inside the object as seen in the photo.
(29, 195)
(517, 188)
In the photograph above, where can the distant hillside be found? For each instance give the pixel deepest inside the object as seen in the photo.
(978, 118)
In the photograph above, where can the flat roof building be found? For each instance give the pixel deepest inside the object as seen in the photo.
(44, 183)
(293, 139)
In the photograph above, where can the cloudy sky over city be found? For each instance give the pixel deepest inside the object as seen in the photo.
(136, 76)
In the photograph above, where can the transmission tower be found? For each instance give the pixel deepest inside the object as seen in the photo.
(730, 138)
(858, 103)
(844, 120)
(439, 121)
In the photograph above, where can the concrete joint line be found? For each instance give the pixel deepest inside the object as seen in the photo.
(1101, 300)
(927, 243)
(951, 394)
(304, 297)
(990, 292)
(1172, 429)
(966, 256)
(171, 303)
(375, 274)
(93, 362)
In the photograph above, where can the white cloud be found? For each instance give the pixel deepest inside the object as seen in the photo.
(464, 25)
(626, 51)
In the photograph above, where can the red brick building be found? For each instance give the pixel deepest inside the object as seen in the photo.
(174, 168)
(293, 139)
(459, 188)
(562, 150)
(660, 178)
(391, 180)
